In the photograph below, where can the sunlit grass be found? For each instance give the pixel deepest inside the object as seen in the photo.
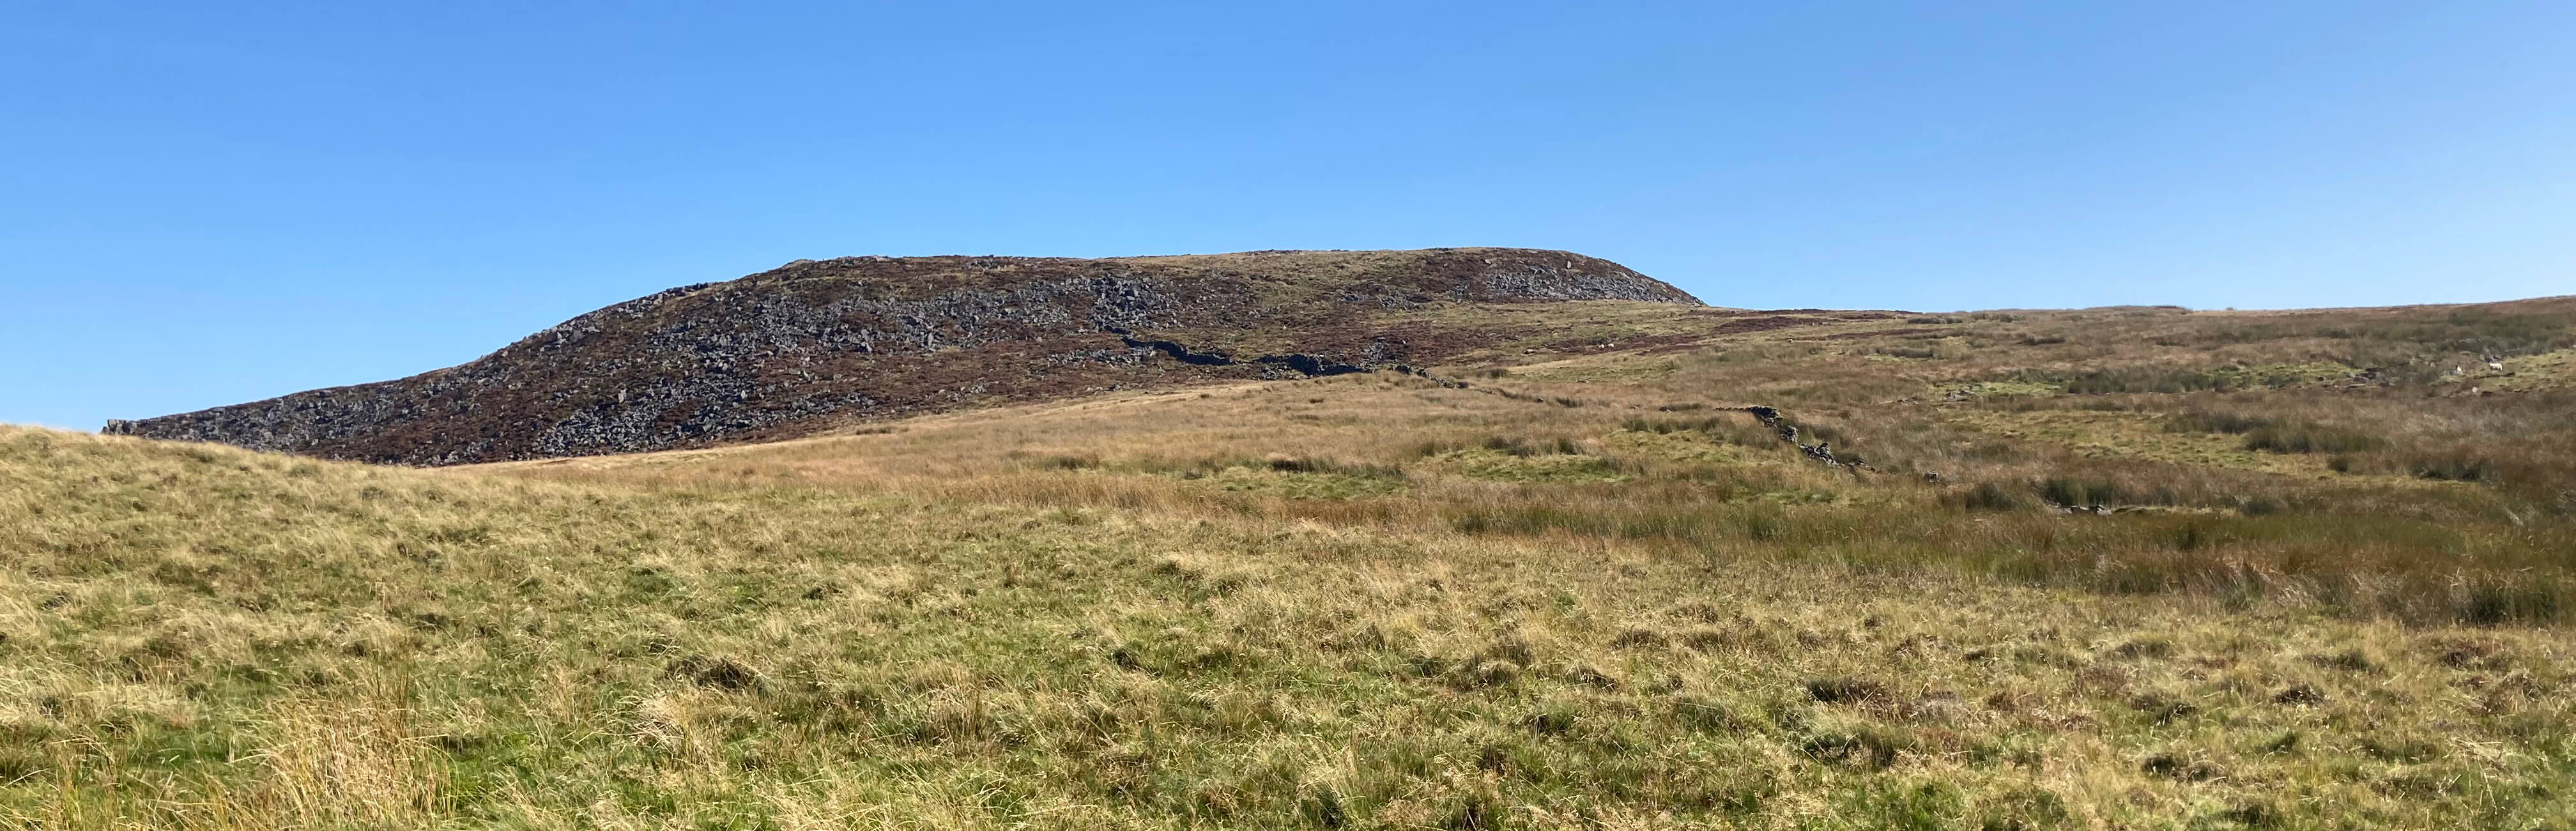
(1361, 602)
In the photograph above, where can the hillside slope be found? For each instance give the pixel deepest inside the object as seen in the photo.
(2103, 568)
(778, 353)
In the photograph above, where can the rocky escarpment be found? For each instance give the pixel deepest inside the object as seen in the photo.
(791, 350)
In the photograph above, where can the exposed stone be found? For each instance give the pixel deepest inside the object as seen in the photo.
(791, 350)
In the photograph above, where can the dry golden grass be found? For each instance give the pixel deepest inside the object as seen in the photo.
(1576, 592)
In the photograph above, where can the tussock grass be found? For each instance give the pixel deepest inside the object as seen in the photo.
(2276, 435)
(1367, 602)
(393, 648)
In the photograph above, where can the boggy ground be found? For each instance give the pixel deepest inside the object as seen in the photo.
(1550, 587)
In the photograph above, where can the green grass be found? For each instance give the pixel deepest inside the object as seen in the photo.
(212, 638)
(1366, 602)
(2275, 435)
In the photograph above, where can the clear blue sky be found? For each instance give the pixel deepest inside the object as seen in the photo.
(201, 205)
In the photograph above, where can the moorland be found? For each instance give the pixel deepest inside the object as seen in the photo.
(1627, 565)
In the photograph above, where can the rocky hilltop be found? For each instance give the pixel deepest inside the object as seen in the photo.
(814, 343)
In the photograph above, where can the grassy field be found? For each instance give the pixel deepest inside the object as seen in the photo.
(2122, 568)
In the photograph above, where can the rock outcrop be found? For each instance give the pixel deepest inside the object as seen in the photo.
(813, 343)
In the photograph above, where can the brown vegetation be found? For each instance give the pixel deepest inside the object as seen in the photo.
(2169, 569)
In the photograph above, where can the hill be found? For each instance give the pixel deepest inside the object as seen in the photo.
(785, 352)
(1659, 568)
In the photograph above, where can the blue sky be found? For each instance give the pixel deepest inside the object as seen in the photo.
(202, 205)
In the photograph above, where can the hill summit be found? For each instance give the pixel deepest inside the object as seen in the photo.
(812, 343)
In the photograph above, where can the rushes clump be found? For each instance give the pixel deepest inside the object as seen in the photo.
(1374, 600)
